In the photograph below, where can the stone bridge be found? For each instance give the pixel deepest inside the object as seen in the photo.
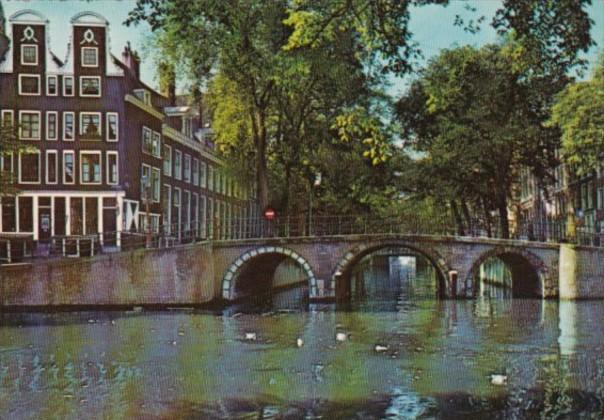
(328, 261)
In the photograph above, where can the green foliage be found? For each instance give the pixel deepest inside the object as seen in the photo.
(10, 146)
(579, 113)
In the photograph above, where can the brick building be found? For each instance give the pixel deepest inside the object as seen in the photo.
(110, 156)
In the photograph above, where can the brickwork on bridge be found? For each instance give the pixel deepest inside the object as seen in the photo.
(457, 260)
(199, 273)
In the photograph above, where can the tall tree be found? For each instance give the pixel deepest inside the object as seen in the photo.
(579, 113)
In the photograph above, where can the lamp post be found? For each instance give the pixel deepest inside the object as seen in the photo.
(315, 184)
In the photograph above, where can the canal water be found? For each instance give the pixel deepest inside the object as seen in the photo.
(279, 357)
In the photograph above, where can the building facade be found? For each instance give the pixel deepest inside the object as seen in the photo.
(108, 156)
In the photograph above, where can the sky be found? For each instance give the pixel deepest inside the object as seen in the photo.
(432, 27)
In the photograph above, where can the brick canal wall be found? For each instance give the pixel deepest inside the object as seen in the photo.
(141, 277)
(193, 275)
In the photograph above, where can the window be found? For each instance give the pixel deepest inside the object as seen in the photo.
(178, 165)
(90, 86)
(51, 125)
(7, 117)
(90, 167)
(147, 141)
(155, 184)
(211, 177)
(145, 182)
(68, 86)
(68, 167)
(29, 84)
(143, 95)
(156, 145)
(112, 126)
(186, 126)
(52, 176)
(90, 126)
(29, 168)
(68, 123)
(167, 208)
(187, 168)
(30, 125)
(90, 57)
(203, 175)
(167, 160)
(52, 88)
(112, 168)
(29, 55)
(195, 171)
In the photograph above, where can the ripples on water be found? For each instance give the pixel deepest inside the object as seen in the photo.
(437, 361)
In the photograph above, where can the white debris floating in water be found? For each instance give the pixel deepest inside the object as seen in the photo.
(499, 379)
(379, 348)
(341, 336)
(250, 336)
(299, 342)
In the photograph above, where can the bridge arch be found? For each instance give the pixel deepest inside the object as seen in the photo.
(347, 263)
(276, 254)
(522, 264)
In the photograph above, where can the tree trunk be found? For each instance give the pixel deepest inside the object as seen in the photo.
(467, 216)
(503, 218)
(571, 220)
(458, 220)
(488, 219)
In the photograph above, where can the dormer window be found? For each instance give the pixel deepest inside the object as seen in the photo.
(144, 95)
(29, 55)
(186, 126)
(90, 57)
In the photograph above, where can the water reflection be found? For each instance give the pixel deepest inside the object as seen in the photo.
(437, 359)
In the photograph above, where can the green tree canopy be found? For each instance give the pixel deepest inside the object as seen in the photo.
(579, 113)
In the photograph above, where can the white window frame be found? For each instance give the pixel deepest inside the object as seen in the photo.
(81, 122)
(143, 186)
(203, 174)
(178, 174)
(82, 95)
(169, 171)
(144, 146)
(72, 86)
(96, 54)
(23, 46)
(156, 137)
(56, 153)
(155, 199)
(26, 111)
(73, 130)
(108, 168)
(37, 76)
(187, 168)
(169, 215)
(117, 127)
(36, 152)
(91, 152)
(48, 136)
(75, 166)
(195, 173)
(7, 112)
(56, 78)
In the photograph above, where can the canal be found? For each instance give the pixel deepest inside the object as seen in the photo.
(392, 350)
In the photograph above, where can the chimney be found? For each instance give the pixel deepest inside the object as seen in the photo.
(167, 82)
(131, 60)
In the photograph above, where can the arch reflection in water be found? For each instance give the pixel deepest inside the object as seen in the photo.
(507, 275)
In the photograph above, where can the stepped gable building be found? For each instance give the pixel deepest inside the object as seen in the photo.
(110, 155)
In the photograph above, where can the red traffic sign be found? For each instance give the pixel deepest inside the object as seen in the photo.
(269, 214)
